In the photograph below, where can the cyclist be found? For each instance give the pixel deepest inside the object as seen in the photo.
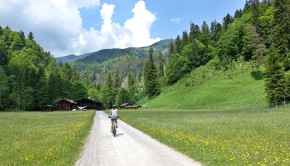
(114, 116)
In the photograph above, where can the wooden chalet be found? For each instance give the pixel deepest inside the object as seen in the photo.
(66, 104)
(48, 108)
(130, 106)
(90, 104)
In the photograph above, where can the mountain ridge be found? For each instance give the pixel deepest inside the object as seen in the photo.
(72, 57)
(97, 65)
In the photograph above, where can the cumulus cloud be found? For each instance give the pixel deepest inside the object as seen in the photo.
(134, 33)
(57, 25)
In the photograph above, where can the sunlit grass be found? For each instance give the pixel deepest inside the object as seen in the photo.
(208, 87)
(220, 137)
(37, 138)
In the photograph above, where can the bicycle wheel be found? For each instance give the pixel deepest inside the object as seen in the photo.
(114, 130)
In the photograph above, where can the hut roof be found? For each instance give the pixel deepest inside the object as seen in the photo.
(90, 100)
(70, 101)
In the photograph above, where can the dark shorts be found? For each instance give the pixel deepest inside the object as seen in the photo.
(114, 118)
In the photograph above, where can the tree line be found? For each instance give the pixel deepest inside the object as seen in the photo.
(30, 77)
(113, 93)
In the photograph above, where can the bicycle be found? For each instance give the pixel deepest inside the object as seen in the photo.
(114, 129)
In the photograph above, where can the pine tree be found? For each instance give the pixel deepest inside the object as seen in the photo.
(3, 54)
(30, 36)
(205, 36)
(275, 80)
(54, 86)
(79, 91)
(22, 35)
(123, 97)
(282, 27)
(288, 87)
(227, 20)
(256, 14)
(184, 40)
(160, 65)
(215, 30)
(117, 81)
(171, 70)
(111, 97)
(194, 32)
(150, 77)
(40, 90)
(178, 45)
(3, 86)
(132, 89)
(131, 83)
(238, 13)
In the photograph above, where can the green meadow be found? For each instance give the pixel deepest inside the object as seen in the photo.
(218, 118)
(43, 138)
(223, 137)
(242, 87)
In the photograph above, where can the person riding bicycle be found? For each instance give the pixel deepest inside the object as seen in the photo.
(114, 116)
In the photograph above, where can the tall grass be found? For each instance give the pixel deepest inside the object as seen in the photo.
(36, 138)
(230, 137)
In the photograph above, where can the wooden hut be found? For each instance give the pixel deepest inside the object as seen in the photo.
(66, 104)
(48, 108)
(130, 106)
(90, 104)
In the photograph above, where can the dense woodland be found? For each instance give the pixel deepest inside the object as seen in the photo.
(258, 34)
(30, 77)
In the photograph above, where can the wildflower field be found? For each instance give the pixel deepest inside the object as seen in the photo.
(250, 137)
(43, 138)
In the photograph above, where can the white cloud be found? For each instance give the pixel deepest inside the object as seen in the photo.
(57, 25)
(176, 20)
(134, 33)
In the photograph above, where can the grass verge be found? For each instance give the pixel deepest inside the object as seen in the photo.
(259, 137)
(37, 138)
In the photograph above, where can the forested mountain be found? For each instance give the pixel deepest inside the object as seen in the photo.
(70, 58)
(30, 77)
(96, 66)
(259, 34)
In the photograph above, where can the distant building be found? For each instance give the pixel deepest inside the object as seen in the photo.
(48, 108)
(129, 106)
(66, 104)
(90, 104)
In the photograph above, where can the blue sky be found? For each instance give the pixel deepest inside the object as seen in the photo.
(66, 27)
(186, 11)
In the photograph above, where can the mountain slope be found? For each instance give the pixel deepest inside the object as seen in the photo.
(97, 65)
(72, 57)
(206, 87)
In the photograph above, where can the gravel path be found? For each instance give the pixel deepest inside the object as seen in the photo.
(130, 148)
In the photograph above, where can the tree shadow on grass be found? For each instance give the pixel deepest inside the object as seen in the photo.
(258, 75)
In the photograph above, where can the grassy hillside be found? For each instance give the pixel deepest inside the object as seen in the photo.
(240, 87)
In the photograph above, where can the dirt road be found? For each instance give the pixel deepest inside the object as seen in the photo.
(130, 148)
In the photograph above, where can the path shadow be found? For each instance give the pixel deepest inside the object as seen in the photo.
(119, 134)
(258, 75)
